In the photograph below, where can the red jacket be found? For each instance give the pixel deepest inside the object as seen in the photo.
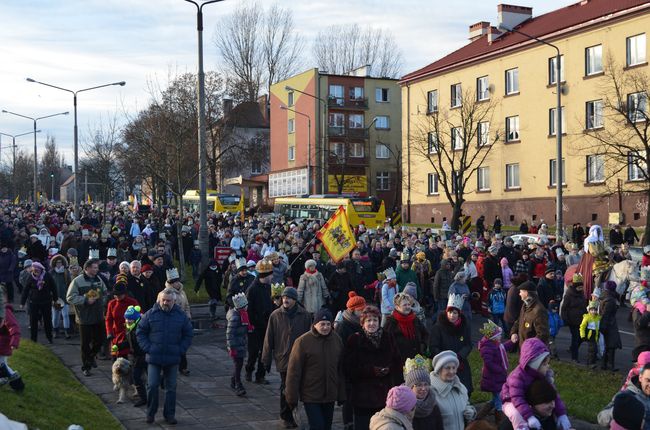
(9, 332)
(115, 322)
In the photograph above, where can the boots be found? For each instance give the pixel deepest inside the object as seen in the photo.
(66, 334)
(484, 411)
(609, 357)
(249, 376)
(16, 382)
(56, 333)
(240, 390)
(142, 394)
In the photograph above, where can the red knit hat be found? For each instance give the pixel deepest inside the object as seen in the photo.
(147, 268)
(355, 302)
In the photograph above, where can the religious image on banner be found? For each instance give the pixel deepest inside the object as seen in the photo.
(336, 235)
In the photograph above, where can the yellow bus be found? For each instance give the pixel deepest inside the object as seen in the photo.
(218, 202)
(369, 210)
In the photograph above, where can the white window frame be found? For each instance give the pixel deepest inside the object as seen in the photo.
(512, 129)
(635, 48)
(482, 88)
(634, 171)
(551, 121)
(356, 93)
(483, 178)
(595, 169)
(512, 177)
(637, 106)
(337, 92)
(291, 125)
(432, 184)
(512, 81)
(291, 153)
(290, 97)
(382, 122)
(433, 142)
(552, 180)
(483, 133)
(432, 101)
(593, 60)
(551, 70)
(379, 95)
(594, 114)
(382, 181)
(336, 120)
(357, 150)
(456, 92)
(338, 148)
(355, 120)
(457, 142)
(254, 164)
(382, 151)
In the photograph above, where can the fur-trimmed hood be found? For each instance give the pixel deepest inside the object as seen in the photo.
(58, 257)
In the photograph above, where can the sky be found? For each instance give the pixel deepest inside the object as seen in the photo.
(78, 44)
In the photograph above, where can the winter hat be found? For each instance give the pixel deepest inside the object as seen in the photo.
(73, 252)
(132, 313)
(121, 279)
(540, 391)
(416, 371)
(492, 249)
(323, 314)
(119, 288)
(411, 289)
(610, 286)
(443, 358)
(290, 292)
(310, 263)
(519, 279)
(460, 276)
(27, 263)
(355, 302)
(549, 269)
(123, 264)
(628, 411)
(537, 361)
(147, 268)
(401, 399)
(643, 359)
(528, 286)
(646, 249)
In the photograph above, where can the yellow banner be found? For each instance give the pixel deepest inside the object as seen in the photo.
(241, 205)
(337, 236)
(351, 183)
(17, 200)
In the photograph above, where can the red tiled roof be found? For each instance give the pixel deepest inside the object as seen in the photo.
(557, 20)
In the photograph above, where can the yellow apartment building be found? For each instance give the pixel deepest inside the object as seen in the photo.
(502, 84)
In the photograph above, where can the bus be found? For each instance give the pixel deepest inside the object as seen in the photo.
(369, 210)
(218, 202)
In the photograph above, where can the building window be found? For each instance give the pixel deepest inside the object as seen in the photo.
(292, 153)
(381, 95)
(382, 122)
(456, 95)
(433, 184)
(382, 151)
(355, 121)
(512, 128)
(512, 81)
(552, 116)
(336, 94)
(482, 88)
(512, 176)
(483, 175)
(356, 93)
(594, 114)
(553, 172)
(594, 60)
(637, 170)
(356, 150)
(637, 106)
(336, 120)
(290, 98)
(338, 149)
(552, 70)
(635, 46)
(432, 101)
(383, 181)
(291, 125)
(483, 133)
(455, 181)
(433, 142)
(457, 138)
(256, 167)
(595, 169)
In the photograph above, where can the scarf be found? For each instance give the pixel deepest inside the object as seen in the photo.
(374, 338)
(351, 317)
(406, 324)
(458, 322)
(245, 320)
(311, 271)
(40, 279)
(424, 407)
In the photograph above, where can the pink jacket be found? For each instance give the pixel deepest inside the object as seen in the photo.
(9, 332)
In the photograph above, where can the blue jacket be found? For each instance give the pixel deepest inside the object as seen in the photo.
(497, 302)
(554, 322)
(164, 336)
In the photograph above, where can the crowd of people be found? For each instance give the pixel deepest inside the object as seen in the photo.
(386, 332)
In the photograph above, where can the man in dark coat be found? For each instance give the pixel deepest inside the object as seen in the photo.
(213, 279)
(533, 317)
(260, 306)
(240, 282)
(609, 325)
(574, 305)
(629, 235)
(615, 236)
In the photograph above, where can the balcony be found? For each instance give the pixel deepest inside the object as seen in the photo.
(350, 133)
(343, 103)
(342, 160)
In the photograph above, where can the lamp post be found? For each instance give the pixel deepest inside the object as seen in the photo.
(203, 189)
(309, 181)
(76, 134)
(13, 146)
(323, 135)
(35, 195)
(559, 228)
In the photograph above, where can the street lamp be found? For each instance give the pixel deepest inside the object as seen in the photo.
(559, 231)
(203, 189)
(35, 148)
(13, 146)
(76, 134)
(323, 145)
(309, 181)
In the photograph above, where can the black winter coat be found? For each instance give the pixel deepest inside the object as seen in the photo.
(641, 333)
(347, 328)
(44, 296)
(213, 280)
(137, 290)
(445, 336)
(608, 324)
(408, 348)
(339, 285)
(260, 305)
(574, 307)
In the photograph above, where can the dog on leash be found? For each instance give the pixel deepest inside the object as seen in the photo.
(121, 378)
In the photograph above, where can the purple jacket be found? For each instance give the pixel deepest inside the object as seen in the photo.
(495, 365)
(514, 390)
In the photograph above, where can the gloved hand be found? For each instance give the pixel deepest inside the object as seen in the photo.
(232, 353)
(563, 422)
(534, 423)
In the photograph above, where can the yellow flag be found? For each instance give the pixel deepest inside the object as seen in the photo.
(241, 205)
(17, 200)
(89, 199)
(337, 236)
(216, 201)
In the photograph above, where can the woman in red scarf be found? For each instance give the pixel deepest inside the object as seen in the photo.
(452, 332)
(408, 332)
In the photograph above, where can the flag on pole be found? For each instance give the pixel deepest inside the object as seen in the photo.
(337, 236)
(214, 209)
(89, 199)
(241, 205)
(17, 199)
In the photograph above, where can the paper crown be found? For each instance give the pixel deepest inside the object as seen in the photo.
(455, 301)
(240, 262)
(112, 252)
(593, 304)
(276, 289)
(490, 329)
(74, 261)
(390, 273)
(53, 251)
(417, 363)
(22, 251)
(264, 266)
(239, 300)
(405, 256)
(577, 279)
(172, 274)
(93, 254)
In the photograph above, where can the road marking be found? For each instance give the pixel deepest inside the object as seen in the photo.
(626, 332)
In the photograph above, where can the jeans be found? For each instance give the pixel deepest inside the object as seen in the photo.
(169, 374)
(92, 337)
(496, 401)
(320, 415)
(285, 411)
(57, 314)
(575, 341)
(36, 313)
(255, 344)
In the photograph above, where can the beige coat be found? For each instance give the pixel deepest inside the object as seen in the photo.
(181, 299)
(390, 419)
(313, 292)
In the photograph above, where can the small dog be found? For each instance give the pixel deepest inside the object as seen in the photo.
(121, 378)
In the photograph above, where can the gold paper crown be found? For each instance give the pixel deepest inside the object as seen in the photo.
(417, 362)
(577, 278)
(276, 289)
(489, 329)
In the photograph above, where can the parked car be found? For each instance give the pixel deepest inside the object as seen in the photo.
(533, 238)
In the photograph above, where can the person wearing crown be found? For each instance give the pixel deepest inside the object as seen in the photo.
(174, 283)
(260, 306)
(416, 377)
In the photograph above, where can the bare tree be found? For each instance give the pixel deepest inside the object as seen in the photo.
(23, 177)
(620, 135)
(341, 48)
(282, 46)
(50, 168)
(456, 143)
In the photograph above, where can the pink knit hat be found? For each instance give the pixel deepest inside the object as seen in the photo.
(401, 398)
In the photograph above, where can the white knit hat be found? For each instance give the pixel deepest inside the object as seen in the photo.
(443, 358)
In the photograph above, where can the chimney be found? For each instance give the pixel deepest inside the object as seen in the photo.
(227, 106)
(363, 71)
(477, 30)
(511, 16)
(493, 34)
